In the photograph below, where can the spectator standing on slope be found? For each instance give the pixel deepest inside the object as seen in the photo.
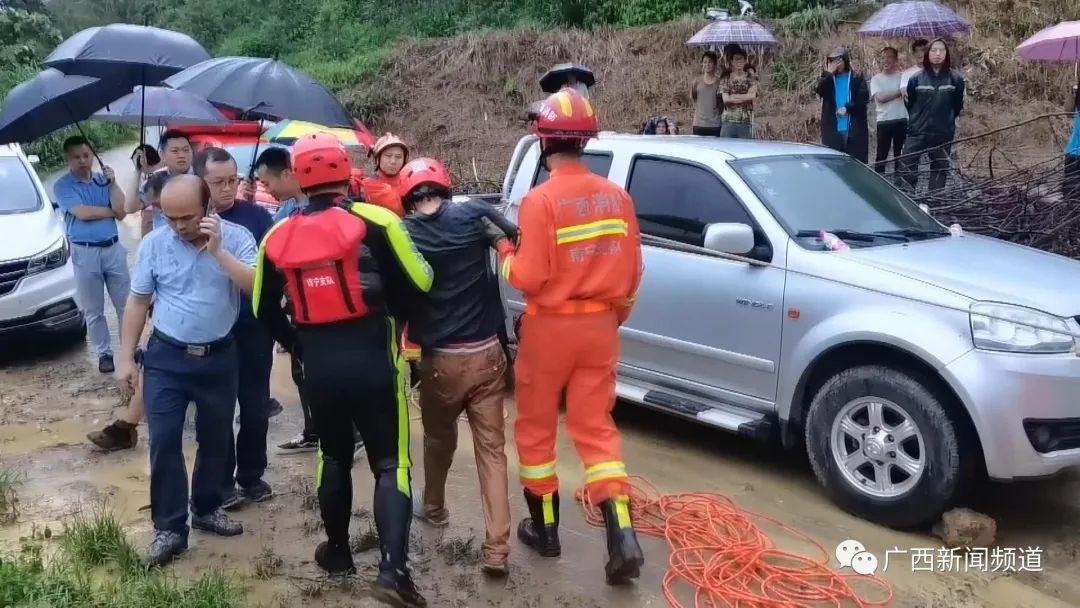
(892, 116)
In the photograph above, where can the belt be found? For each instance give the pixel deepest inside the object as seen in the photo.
(105, 243)
(196, 350)
(569, 307)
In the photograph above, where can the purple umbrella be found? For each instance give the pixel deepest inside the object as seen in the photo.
(914, 20)
(737, 31)
(1059, 42)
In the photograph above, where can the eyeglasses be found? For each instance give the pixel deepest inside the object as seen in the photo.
(225, 182)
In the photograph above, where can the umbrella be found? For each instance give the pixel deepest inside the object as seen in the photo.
(51, 101)
(288, 131)
(556, 76)
(1059, 42)
(166, 106)
(732, 31)
(913, 20)
(129, 55)
(262, 89)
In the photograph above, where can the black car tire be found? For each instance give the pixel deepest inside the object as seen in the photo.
(944, 472)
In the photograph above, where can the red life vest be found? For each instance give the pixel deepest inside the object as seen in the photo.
(319, 256)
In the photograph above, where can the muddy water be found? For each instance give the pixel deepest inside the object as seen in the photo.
(51, 397)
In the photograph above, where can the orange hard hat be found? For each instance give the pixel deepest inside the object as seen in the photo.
(319, 159)
(566, 115)
(423, 172)
(388, 141)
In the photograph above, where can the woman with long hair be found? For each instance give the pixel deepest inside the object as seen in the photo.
(935, 97)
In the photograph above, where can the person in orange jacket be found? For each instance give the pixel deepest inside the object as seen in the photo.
(579, 266)
(390, 154)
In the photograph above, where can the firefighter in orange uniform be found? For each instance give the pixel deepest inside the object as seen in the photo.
(579, 265)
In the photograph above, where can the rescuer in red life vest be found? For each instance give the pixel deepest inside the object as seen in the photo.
(349, 273)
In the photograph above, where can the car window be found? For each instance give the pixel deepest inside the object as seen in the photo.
(245, 155)
(20, 193)
(597, 163)
(676, 200)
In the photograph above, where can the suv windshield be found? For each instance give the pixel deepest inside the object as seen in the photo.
(812, 193)
(20, 194)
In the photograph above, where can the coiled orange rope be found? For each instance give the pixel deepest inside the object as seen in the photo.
(728, 561)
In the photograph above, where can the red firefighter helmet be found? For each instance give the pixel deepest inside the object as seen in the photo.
(319, 159)
(423, 172)
(566, 115)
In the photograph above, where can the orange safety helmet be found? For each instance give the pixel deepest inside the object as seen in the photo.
(319, 159)
(566, 115)
(423, 172)
(388, 141)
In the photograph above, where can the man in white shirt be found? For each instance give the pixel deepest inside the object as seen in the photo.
(892, 116)
(918, 53)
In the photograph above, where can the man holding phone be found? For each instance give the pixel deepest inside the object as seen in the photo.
(844, 100)
(195, 272)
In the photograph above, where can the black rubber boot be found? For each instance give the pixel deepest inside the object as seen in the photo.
(540, 532)
(393, 518)
(624, 552)
(335, 505)
(334, 558)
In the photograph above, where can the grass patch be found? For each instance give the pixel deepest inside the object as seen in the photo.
(9, 497)
(95, 565)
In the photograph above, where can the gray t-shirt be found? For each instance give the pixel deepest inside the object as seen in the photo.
(706, 105)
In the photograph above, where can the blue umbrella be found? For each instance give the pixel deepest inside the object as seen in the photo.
(166, 106)
(128, 55)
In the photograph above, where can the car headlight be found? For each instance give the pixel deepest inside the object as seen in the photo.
(1015, 329)
(54, 258)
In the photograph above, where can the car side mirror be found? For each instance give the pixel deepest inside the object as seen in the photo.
(33, 159)
(736, 239)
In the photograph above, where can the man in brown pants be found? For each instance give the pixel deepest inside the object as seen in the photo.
(462, 365)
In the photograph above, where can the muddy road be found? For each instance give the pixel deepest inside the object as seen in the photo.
(53, 395)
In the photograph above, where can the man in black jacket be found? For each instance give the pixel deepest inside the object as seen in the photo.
(844, 99)
(935, 97)
(462, 366)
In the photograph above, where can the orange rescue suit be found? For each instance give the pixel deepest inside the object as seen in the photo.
(579, 266)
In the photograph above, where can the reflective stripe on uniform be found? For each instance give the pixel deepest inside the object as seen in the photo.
(537, 472)
(549, 509)
(622, 511)
(605, 470)
(398, 363)
(256, 293)
(318, 470)
(584, 232)
(505, 270)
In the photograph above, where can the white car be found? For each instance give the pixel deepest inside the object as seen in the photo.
(37, 283)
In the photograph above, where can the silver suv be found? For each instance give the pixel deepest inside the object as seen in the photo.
(908, 360)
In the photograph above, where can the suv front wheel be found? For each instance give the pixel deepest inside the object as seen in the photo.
(884, 446)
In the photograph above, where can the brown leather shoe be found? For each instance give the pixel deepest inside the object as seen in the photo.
(120, 435)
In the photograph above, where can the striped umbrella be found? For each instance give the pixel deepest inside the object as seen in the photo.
(914, 20)
(728, 31)
(291, 130)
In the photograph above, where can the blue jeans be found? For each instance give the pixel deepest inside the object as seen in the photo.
(98, 268)
(172, 379)
(255, 354)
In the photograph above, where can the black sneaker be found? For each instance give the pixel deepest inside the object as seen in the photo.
(274, 407)
(105, 364)
(234, 500)
(165, 547)
(397, 589)
(260, 491)
(217, 522)
(120, 435)
(334, 559)
(299, 444)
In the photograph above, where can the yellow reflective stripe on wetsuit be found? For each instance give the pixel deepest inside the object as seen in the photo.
(592, 230)
(260, 271)
(398, 363)
(414, 264)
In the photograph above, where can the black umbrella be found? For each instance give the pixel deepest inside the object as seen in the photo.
(553, 80)
(262, 89)
(128, 55)
(51, 101)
